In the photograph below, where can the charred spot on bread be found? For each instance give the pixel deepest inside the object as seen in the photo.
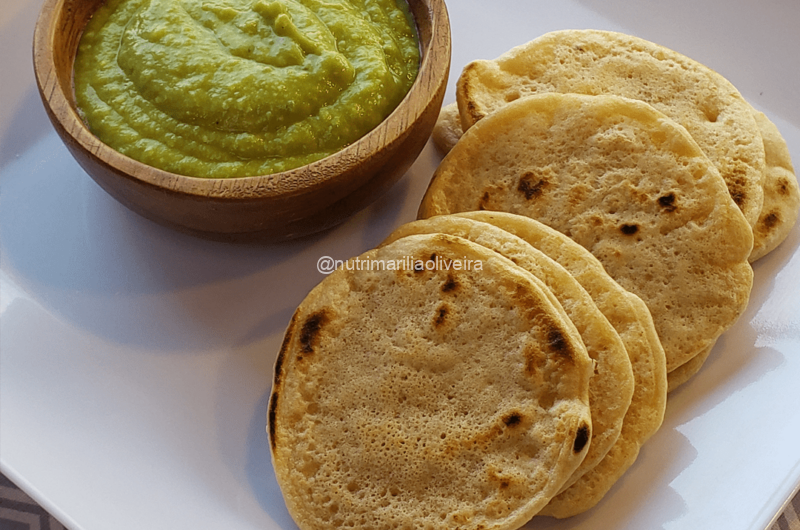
(629, 229)
(667, 202)
(530, 185)
(770, 220)
(484, 201)
(309, 333)
(581, 438)
(558, 343)
(441, 313)
(783, 186)
(287, 339)
(513, 419)
(450, 284)
(272, 419)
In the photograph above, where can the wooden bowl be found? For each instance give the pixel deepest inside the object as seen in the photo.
(270, 208)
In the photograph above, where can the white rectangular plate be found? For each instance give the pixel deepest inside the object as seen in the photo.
(135, 362)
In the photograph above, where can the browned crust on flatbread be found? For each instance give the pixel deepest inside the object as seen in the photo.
(632, 319)
(277, 383)
(611, 388)
(470, 113)
(596, 62)
(370, 390)
(655, 200)
(781, 192)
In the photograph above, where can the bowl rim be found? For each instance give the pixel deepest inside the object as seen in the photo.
(433, 71)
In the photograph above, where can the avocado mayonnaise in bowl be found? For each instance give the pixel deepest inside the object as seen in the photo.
(256, 118)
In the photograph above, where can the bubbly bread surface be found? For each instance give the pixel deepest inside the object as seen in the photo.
(630, 317)
(601, 62)
(626, 183)
(427, 398)
(611, 387)
(781, 191)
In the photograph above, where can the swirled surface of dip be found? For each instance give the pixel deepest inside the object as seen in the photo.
(232, 88)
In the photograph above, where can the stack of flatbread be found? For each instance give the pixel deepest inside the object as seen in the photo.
(473, 371)
(630, 149)
(580, 249)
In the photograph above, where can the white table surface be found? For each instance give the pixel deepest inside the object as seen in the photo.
(135, 362)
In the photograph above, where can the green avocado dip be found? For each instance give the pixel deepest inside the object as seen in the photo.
(233, 88)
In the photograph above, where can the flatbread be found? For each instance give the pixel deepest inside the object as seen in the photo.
(781, 192)
(428, 397)
(603, 62)
(626, 183)
(687, 370)
(611, 387)
(630, 317)
(447, 130)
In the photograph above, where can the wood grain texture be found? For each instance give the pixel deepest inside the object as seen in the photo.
(274, 207)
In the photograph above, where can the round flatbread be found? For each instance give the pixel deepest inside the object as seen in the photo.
(611, 387)
(626, 183)
(602, 62)
(781, 192)
(427, 396)
(630, 317)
